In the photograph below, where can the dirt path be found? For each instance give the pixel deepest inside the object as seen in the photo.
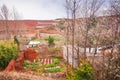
(25, 76)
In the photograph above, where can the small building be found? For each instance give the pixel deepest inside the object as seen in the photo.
(33, 43)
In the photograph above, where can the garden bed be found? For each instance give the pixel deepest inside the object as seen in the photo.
(37, 66)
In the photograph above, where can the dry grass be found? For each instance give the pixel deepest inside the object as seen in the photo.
(22, 76)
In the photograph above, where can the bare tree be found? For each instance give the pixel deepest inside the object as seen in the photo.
(5, 17)
(72, 6)
(18, 23)
(15, 18)
(112, 68)
(90, 30)
(67, 31)
(91, 8)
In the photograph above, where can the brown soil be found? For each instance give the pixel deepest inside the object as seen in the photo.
(25, 76)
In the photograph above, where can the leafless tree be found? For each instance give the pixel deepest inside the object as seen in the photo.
(91, 7)
(90, 29)
(112, 68)
(72, 7)
(67, 31)
(15, 19)
(88, 10)
(5, 17)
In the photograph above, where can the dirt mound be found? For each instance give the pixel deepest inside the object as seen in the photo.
(29, 54)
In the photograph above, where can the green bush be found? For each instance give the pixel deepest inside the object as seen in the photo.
(25, 64)
(16, 41)
(51, 41)
(56, 60)
(8, 51)
(85, 72)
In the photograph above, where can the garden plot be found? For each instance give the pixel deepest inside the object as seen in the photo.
(44, 65)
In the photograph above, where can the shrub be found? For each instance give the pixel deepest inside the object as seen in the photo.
(16, 41)
(85, 72)
(56, 60)
(51, 41)
(8, 51)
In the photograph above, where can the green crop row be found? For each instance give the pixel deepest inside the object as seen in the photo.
(54, 70)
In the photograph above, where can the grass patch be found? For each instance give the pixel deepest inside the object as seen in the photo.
(50, 65)
(56, 37)
(56, 60)
(54, 70)
(32, 65)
